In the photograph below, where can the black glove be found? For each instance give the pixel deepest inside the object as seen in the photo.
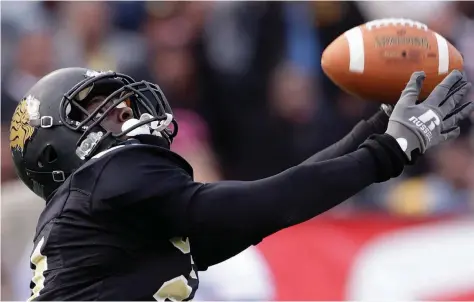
(379, 121)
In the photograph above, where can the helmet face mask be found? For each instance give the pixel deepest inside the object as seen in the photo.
(74, 132)
(147, 101)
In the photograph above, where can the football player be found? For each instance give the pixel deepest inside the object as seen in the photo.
(124, 219)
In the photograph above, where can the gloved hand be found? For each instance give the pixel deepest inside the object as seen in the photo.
(420, 126)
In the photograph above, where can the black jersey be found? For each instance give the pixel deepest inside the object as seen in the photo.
(96, 241)
(132, 224)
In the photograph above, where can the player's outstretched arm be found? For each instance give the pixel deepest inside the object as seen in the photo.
(313, 187)
(246, 212)
(204, 248)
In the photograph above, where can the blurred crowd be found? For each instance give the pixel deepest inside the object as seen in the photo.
(245, 82)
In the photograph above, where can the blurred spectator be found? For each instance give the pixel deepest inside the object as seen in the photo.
(20, 209)
(192, 143)
(171, 29)
(292, 94)
(338, 112)
(456, 23)
(422, 11)
(85, 38)
(242, 46)
(237, 52)
(444, 190)
(294, 87)
(14, 13)
(330, 112)
(33, 59)
(128, 15)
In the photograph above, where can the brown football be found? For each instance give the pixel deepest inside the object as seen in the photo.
(374, 61)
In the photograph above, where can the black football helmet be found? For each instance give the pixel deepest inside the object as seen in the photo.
(52, 133)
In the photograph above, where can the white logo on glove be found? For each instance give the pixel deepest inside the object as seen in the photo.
(422, 120)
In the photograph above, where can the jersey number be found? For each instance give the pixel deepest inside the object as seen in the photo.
(177, 289)
(40, 263)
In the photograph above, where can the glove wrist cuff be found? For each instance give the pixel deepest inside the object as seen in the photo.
(389, 158)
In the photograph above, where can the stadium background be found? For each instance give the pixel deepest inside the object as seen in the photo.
(246, 85)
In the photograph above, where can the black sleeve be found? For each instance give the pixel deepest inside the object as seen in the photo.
(168, 199)
(204, 246)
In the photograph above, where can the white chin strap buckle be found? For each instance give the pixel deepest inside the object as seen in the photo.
(155, 126)
(144, 129)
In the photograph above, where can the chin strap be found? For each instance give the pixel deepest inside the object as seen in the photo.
(45, 177)
(153, 128)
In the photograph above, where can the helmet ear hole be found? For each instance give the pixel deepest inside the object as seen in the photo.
(48, 156)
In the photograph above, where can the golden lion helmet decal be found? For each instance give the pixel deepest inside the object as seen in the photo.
(20, 130)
